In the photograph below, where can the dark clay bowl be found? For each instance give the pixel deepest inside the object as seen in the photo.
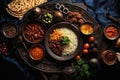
(10, 30)
(109, 57)
(36, 52)
(58, 26)
(33, 31)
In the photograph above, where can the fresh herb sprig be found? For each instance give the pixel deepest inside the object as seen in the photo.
(82, 70)
(65, 40)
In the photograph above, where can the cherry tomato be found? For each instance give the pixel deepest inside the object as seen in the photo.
(77, 57)
(85, 51)
(86, 45)
(91, 39)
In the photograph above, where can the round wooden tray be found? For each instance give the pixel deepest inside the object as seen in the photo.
(48, 64)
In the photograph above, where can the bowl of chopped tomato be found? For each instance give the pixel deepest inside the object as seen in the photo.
(112, 32)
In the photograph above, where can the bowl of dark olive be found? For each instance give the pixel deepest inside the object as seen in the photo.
(10, 30)
(33, 31)
(111, 32)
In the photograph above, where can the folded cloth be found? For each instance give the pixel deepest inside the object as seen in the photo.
(97, 8)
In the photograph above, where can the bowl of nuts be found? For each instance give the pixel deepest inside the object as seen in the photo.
(33, 31)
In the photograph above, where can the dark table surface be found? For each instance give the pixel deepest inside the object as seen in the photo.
(13, 68)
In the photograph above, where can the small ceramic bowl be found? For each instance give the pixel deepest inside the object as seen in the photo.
(10, 30)
(87, 28)
(111, 32)
(36, 52)
(109, 57)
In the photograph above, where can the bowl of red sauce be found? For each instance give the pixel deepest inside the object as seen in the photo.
(36, 52)
(111, 31)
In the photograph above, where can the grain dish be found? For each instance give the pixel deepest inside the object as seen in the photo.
(63, 41)
(70, 48)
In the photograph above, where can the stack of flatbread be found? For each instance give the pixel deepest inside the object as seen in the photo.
(18, 8)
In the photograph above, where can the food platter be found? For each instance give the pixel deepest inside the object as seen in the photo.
(48, 63)
(62, 26)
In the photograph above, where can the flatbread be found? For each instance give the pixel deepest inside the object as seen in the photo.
(15, 5)
(18, 8)
(14, 14)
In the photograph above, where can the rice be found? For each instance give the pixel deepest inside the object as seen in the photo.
(71, 47)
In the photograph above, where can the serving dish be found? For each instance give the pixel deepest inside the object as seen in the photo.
(52, 63)
(65, 26)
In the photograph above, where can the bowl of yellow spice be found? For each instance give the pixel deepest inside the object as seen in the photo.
(87, 28)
